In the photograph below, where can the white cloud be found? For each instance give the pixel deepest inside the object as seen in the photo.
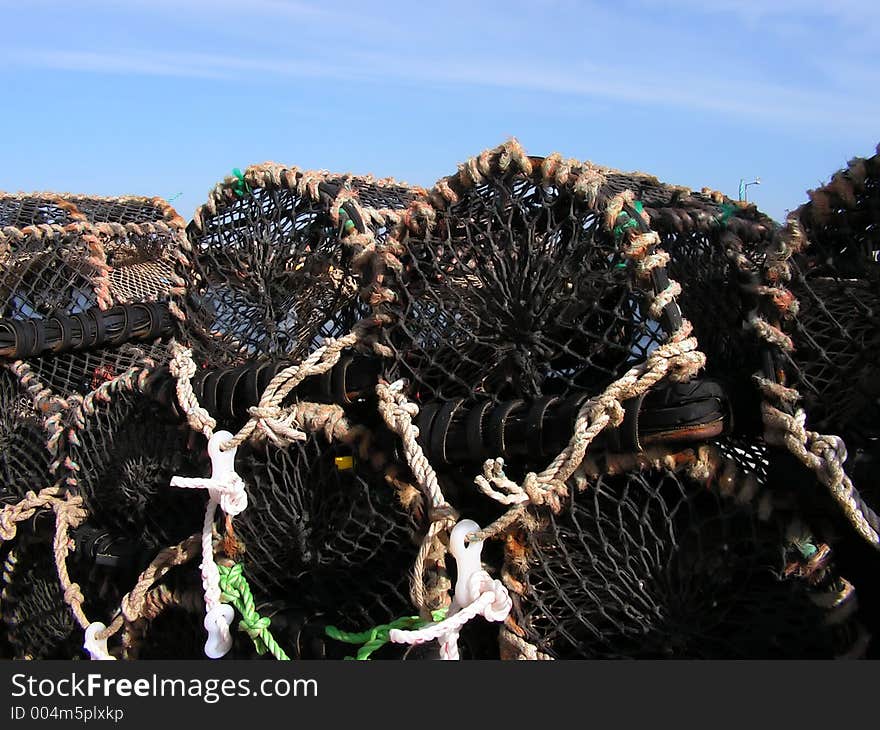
(742, 98)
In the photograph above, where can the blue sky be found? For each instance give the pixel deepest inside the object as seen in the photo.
(160, 97)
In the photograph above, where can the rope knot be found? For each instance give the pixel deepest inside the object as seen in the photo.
(279, 425)
(497, 607)
(254, 625)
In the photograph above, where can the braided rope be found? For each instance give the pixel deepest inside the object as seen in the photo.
(398, 413)
(784, 424)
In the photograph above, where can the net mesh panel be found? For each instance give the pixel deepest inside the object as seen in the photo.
(835, 364)
(269, 277)
(40, 280)
(329, 539)
(119, 210)
(654, 565)
(21, 211)
(37, 622)
(701, 233)
(81, 372)
(24, 458)
(841, 221)
(126, 452)
(518, 291)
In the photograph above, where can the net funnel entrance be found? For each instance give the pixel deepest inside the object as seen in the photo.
(654, 565)
(269, 268)
(120, 457)
(515, 288)
(326, 530)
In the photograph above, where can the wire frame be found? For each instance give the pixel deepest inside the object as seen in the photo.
(325, 530)
(515, 287)
(269, 270)
(653, 565)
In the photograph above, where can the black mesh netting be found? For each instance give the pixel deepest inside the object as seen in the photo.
(24, 458)
(269, 275)
(326, 534)
(518, 290)
(37, 622)
(121, 459)
(654, 565)
(715, 247)
(82, 372)
(21, 211)
(43, 278)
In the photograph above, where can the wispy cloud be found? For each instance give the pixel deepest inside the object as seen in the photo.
(742, 97)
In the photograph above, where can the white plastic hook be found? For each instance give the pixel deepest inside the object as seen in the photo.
(231, 495)
(222, 462)
(97, 648)
(467, 559)
(217, 623)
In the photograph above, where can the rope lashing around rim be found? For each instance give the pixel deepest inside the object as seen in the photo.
(823, 454)
(267, 418)
(398, 413)
(785, 425)
(374, 639)
(236, 591)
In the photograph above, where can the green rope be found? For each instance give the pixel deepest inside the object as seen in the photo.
(727, 210)
(235, 590)
(239, 185)
(348, 223)
(624, 220)
(805, 547)
(377, 637)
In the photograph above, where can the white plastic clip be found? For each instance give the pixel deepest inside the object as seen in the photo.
(467, 559)
(217, 623)
(97, 648)
(230, 494)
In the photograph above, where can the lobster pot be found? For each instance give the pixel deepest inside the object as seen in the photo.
(651, 564)
(513, 286)
(120, 456)
(74, 271)
(325, 531)
(270, 267)
(65, 254)
(836, 328)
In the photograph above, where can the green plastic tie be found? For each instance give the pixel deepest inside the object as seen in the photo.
(239, 185)
(727, 210)
(624, 220)
(348, 223)
(806, 548)
(236, 591)
(375, 638)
